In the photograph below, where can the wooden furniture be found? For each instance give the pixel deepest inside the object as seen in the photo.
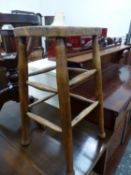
(117, 96)
(45, 155)
(63, 85)
(112, 55)
(8, 55)
(116, 91)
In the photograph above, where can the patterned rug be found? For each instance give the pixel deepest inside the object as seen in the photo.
(124, 168)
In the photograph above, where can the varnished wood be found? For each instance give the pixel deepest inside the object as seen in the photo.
(84, 113)
(41, 100)
(88, 56)
(23, 90)
(81, 98)
(44, 122)
(81, 77)
(99, 91)
(75, 69)
(117, 156)
(47, 69)
(116, 87)
(14, 161)
(64, 102)
(45, 148)
(41, 86)
(56, 31)
(117, 95)
(63, 83)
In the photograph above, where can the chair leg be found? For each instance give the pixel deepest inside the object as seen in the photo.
(23, 91)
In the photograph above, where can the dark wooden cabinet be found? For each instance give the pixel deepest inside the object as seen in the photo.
(117, 94)
(117, 97)
(8, 52)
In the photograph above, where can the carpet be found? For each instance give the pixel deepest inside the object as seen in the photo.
(124, 167)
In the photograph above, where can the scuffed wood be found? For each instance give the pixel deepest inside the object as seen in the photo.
(98, 89)
(88, 56)
(64, 102)
(56, 31)
(23, 90)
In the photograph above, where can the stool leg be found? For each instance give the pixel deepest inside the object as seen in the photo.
(64, 103)
(23, 91)
(99, 92)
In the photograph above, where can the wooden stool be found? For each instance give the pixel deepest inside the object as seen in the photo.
(63, 84)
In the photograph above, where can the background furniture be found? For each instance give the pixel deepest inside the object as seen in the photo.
(8, 55)
(116, 90)
(116, 75)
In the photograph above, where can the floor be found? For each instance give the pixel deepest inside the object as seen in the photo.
(124, 167)
(44, 156)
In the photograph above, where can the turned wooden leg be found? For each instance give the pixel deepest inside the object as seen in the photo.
(64, 103)
(99, 92)
(23, 91)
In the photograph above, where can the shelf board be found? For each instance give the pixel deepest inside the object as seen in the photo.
(88, 56)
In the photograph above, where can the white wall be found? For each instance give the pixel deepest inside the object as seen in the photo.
(113, 14)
